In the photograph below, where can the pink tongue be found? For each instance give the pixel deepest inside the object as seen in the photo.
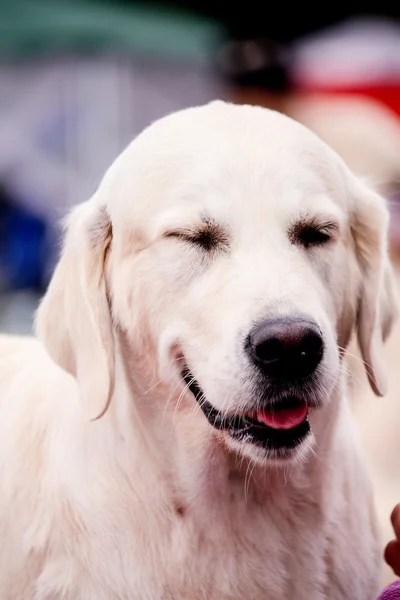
(286, 418)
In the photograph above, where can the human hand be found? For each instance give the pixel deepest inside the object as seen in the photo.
(392, 550)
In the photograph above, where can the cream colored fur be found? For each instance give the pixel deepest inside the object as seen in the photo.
(113, 485)
(367, 136)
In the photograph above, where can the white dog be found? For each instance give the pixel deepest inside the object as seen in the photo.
(192, 439)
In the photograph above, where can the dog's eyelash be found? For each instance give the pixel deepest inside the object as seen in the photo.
(312, 234)
(203, 239)
(210, 237)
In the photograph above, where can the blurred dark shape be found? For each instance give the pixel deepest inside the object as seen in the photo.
(256, 62)
(261, 37)
(280, 21)
(22, 247)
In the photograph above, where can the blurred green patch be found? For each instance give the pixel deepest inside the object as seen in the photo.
(29, 28)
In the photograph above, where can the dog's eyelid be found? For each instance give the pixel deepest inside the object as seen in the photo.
(208, 235)
(184, 234)
(327, 226)
(314, 231)
(178, 233)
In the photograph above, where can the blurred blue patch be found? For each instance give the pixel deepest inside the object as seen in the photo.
(53, 138)
(22, 247)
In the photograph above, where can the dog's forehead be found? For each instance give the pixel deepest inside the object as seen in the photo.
(219, 153)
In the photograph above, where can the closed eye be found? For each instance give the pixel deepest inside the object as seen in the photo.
(207, 235)
(313, 232)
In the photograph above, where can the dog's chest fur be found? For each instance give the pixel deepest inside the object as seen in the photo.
(276, 543)
(264, 540)
(187, 526)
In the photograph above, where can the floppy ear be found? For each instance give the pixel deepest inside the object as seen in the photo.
(74, 320)
(377, 305)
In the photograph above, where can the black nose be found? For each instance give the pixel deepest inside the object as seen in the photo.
(286, 348)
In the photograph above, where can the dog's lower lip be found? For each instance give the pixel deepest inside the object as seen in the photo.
(252, 427)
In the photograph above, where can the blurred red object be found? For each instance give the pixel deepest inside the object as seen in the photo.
(360, 57)
(388, 94)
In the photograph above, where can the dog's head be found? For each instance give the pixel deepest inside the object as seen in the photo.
(237, 252)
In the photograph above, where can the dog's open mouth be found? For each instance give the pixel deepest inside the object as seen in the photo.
(283, 426)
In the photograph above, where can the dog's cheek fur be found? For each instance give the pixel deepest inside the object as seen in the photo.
(140, 305)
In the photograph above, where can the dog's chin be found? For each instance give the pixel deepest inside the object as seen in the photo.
(276, 457)
(279, 434)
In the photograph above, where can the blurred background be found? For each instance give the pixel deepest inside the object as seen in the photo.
(80, 78)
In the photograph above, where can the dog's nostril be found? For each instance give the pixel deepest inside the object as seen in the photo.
(311, 345)
(309, 353)
(268, 351)
(287, 347)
